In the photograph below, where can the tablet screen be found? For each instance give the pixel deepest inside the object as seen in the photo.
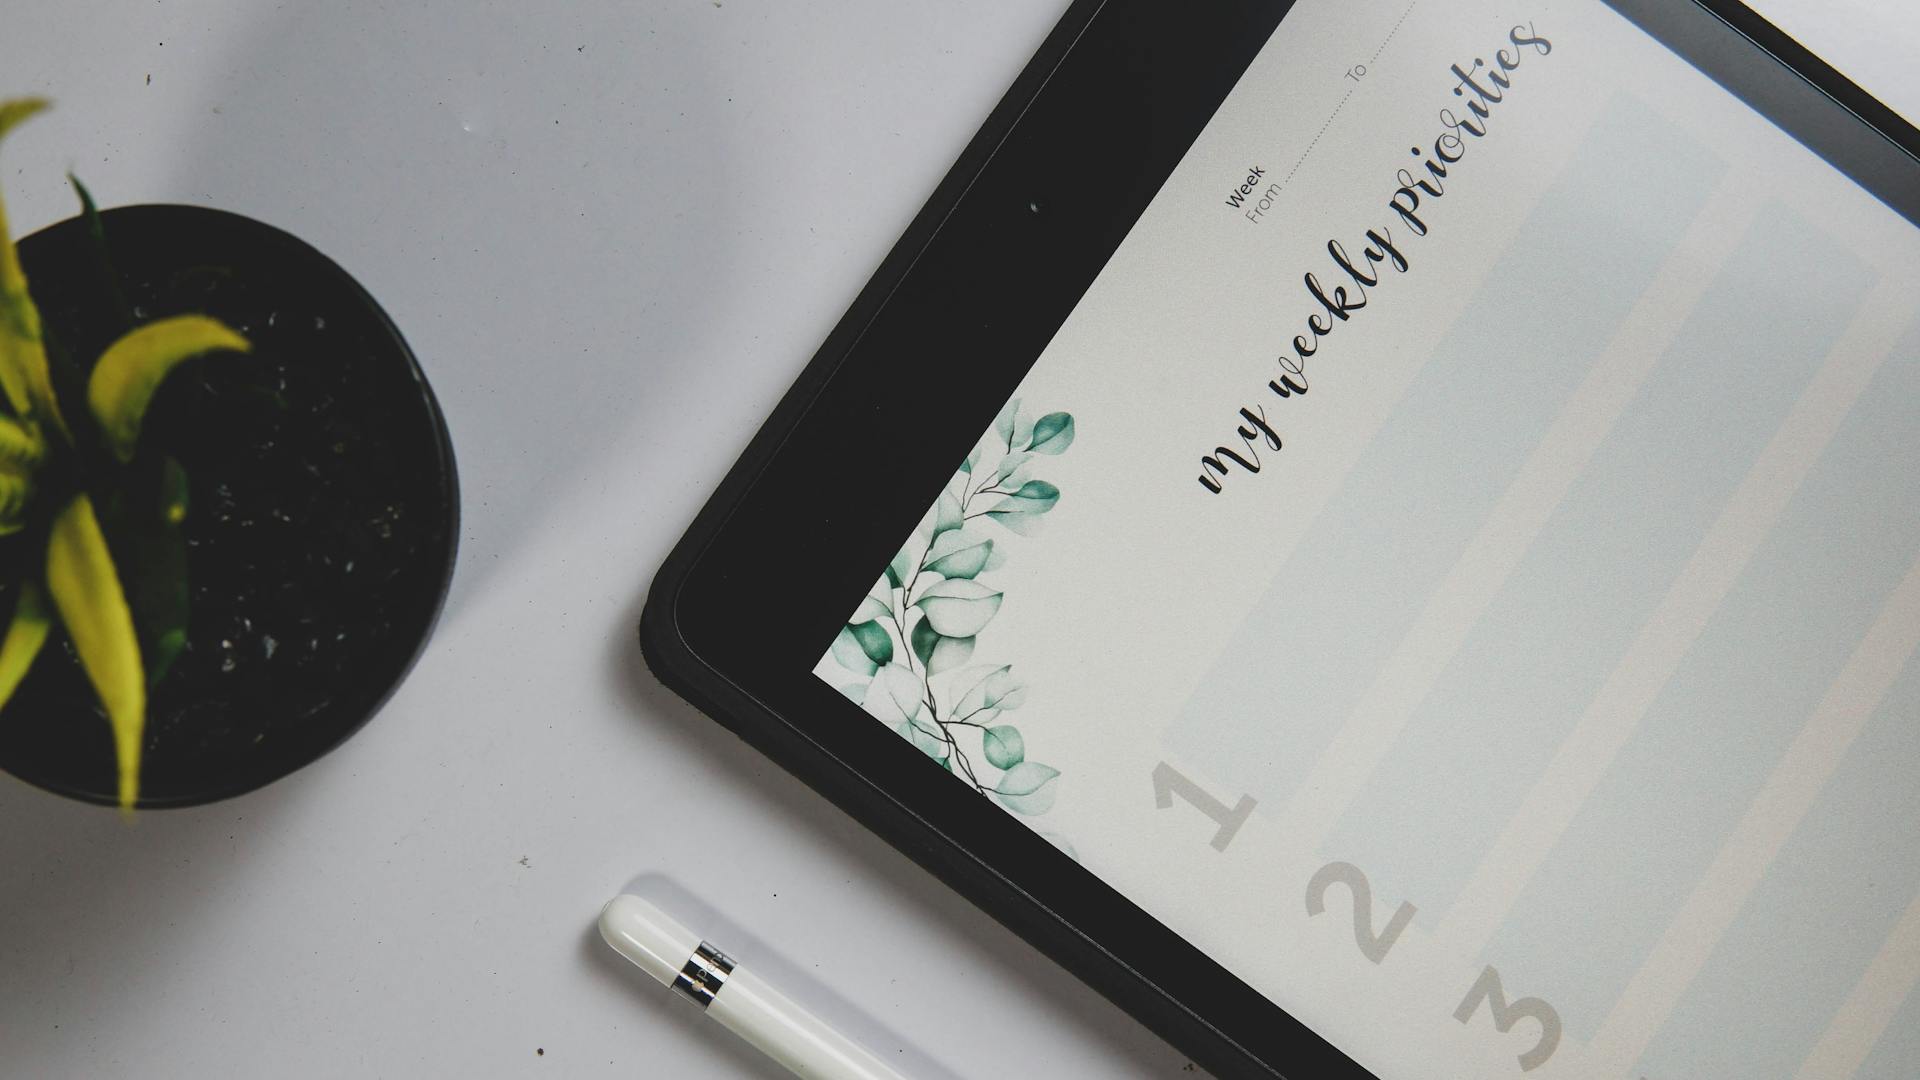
(1459, 564)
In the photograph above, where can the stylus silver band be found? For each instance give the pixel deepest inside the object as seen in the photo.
(705, 972)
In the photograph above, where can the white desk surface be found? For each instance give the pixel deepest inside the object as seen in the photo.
(613, 232)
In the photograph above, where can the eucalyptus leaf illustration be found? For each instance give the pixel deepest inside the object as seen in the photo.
(848, 654)
(938, 653)
(959, 555)
(1010, 467)
(946, 514)
(894, 694)
(1007, 424)
(909, 641)
(877, 605)
(959, 607)
(1004, 747)
(926, 737)
(1034, 497)
(1052, 434)
(874, 642)
(998, 690)
(1028, 788)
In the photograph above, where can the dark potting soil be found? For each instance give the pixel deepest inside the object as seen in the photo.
(321, 518)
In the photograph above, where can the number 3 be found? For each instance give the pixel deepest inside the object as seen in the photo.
(1505, 1015)
(1372, 946)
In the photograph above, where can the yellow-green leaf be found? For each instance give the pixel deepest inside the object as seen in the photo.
(93, 607)
(23, 357)
(17, 109)
(25, 634)
(15, 489)
(132, 368)
(21, 445)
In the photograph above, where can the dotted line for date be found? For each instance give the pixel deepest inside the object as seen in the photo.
(1343, 99)
(1395, 30)
(1316, 137)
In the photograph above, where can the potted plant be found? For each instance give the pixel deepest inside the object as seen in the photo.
(228, 507)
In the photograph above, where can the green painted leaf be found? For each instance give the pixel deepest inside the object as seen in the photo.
(965, 559)
(939, 654)
(1006, 425)
(1052, 434)
(924, 639)
(874, 641)
(995, 691)
(1016, 522)
(1028, 788)
(958, 607)
(848, 654)
(949, 653)
(1005, 747)
(922, 735)
(946, 514)
(1034, 497)
(895, 694)
(871, 608)
(853, 692)
(1010, 466)
(904, 560)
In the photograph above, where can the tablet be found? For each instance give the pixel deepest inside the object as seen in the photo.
(1384, 536)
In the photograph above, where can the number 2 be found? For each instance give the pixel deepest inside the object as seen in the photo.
(1505, 1015)
(1168, 782)
(1372, 946)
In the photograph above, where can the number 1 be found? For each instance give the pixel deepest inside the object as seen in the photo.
(1168, 782)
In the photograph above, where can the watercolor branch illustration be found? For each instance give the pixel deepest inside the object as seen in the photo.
(911, 640)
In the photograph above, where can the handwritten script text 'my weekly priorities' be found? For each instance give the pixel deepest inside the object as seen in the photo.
(1483, 87)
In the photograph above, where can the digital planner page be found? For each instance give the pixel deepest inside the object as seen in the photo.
(1459, 565)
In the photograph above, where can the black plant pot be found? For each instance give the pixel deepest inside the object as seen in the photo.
(323, 508)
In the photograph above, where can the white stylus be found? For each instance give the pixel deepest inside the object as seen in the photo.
(742, 1002)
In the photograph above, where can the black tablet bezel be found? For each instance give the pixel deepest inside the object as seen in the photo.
(987, 272)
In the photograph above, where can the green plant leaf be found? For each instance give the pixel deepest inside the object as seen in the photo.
(958, 607)
(848, 654)
(24, 377)
(15, 491)
(17, 109)
(874, 641)
(93, 607)
(959, 555)
(895, 694)
(132, 368)
(1052, 434)
(142, 523)
(21, 446)
(105, 278)
(26, 633)
(1005, 747)
(1028, 788)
